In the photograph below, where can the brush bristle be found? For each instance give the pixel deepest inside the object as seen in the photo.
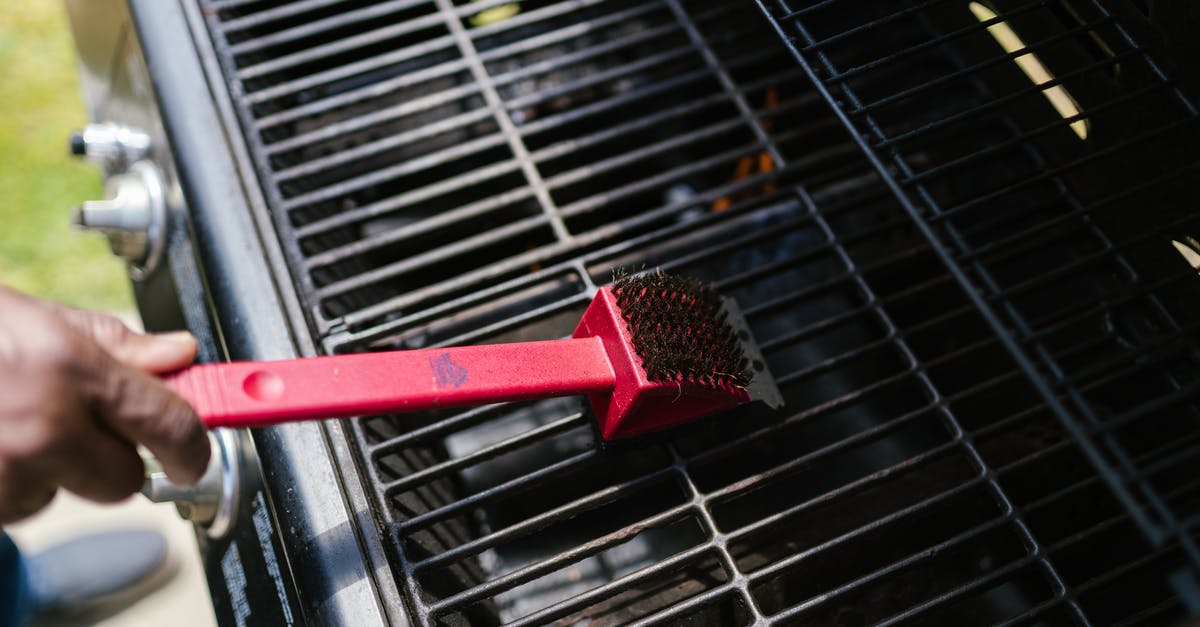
(678, 326)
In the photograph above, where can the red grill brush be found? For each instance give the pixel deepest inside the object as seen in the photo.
(651, 351)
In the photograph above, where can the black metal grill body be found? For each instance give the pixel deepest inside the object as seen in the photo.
(984, 336)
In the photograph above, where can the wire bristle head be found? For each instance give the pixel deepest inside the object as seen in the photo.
(678, 326)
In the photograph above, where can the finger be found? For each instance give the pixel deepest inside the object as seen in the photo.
(153, 353)
(23, 494)
(140, 408)
(106, 469)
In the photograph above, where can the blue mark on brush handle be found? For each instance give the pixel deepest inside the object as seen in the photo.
(447, 371)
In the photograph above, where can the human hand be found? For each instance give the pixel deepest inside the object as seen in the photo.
(77, 394)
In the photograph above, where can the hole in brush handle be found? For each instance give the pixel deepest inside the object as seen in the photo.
(264, 386)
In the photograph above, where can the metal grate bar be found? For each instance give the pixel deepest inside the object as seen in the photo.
(725, 449)
(723, 77)
(431, 257)
(1124, 570)
(596, 201)
(1096, 155)
(1032, 616)
(853, 314)
(1108, 522)
(219, 5)
(546, 518)
(640, 154)
(260, 17)
(664, 114)
(1152, 615)
(676, 612)
(567, 33)
(574, 554)
(515, 142)
(489, 273)
(1082, 211)
(378, 176)
(460, 421)
(555, 274)
(665, 87)
(621, 129)
(344, 72)
(969, 71)
(812, 8)
(506, 489)
(380, 61)
(976, 584)
(1000, 102)
(525, 18)
(1034, 236)
(647, 575)
(845, 75)
(952, 422)
(318, 26)
(737, 580)
(836, 361)
(870, 25)
(373, 90)
(1169, 400)
(633, 67)
(912, 560)
(855, 486)
(1083, 262)
(758, 480)
(476, 334)
(778, 201)
(437, 471)
(388, 205)
(1160, 349)
(1165, 462)
(550, 65)
(322, 164)
(310, 55)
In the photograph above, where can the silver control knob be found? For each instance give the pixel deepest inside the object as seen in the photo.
(133, 217)
(212, 502)
(113, 146)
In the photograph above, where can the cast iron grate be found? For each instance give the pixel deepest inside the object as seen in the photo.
(1043, 130)
(453, 172)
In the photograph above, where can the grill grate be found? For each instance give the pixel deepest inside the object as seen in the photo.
(1082, 169)
(465, 172)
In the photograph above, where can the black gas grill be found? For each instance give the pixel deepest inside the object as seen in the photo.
(960, 259)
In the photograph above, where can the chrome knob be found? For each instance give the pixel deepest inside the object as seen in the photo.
(133, 217)
(113, 146)
(212, 502)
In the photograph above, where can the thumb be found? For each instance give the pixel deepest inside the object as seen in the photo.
(151, 353)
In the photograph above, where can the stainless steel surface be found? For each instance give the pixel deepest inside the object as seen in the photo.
(133, 217)
(213, 501)
(763, 387)
(113, 146)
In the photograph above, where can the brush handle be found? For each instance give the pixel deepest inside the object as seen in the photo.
(255, 394)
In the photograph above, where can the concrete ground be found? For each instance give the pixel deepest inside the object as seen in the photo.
(181, 600)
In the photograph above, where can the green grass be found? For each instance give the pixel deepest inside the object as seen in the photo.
(40, 105)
